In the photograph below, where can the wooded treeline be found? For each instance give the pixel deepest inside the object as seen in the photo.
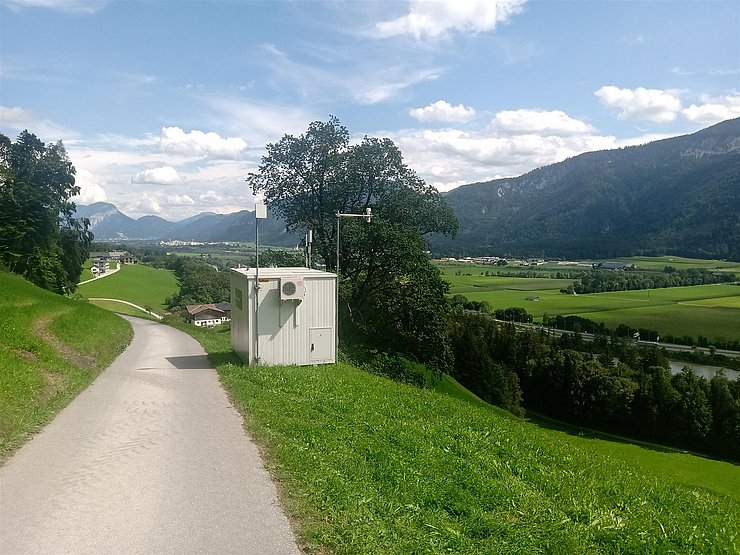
(39, 237)
(602, 281)
(623, 390)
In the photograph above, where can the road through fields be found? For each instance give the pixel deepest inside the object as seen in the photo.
(151, 458)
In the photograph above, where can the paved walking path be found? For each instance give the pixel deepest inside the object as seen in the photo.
(151, 458)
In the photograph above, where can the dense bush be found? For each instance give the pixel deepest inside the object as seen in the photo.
(401, 369)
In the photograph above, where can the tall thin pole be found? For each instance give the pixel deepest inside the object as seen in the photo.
(257, 288)
(336, 287)
(260, 213)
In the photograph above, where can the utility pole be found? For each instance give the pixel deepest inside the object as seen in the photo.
(260, 213)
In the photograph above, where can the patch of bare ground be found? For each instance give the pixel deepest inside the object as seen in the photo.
(55, 383)
(41, 328)
(26, 355)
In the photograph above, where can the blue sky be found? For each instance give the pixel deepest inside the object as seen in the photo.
(165, 106)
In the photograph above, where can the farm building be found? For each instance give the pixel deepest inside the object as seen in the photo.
(293, 321)
(205, 315)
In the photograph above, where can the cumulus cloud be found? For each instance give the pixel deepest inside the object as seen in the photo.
(164, 175)
(443, 111)
(198, 143)
(435, 19)
(523, 122)
(713, 110)
(90, 190)
(447, 157)
(180, 200)
(656, 105)
(147, 204)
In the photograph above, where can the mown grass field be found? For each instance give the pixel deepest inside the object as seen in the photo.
(708, 310)
(51, 348)
(367, 466)
(139, 284)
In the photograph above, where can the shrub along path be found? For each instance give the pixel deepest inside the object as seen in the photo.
(151, 458)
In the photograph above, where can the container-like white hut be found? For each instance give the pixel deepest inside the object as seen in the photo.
(293, 321)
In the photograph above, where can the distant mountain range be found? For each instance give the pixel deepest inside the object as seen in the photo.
(676, 196)
(108, 223)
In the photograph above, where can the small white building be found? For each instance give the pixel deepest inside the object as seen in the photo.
(292, 322)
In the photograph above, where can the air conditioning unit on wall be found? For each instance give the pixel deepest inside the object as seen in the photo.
(292, 289)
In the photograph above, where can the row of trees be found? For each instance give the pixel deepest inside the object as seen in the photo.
(600, 281)
(39, 237)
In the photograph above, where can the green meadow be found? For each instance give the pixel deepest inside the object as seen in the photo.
(51, 348)
(658, 263)
(708, 310)
(139, 284)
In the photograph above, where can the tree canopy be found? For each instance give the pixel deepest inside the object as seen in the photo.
(390, 293)
(39, 237)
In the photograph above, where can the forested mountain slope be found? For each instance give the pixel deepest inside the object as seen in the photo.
(675, 196)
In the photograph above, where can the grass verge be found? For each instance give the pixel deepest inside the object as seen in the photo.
(372, 466)
(51, 348)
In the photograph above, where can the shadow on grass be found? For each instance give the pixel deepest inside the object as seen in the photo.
(222, 358)
(587, 433)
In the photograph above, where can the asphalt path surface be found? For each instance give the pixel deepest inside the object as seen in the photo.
(151, 458)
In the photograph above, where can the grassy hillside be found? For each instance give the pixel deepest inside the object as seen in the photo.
(139, 284)
(51, 348)
(371, 466)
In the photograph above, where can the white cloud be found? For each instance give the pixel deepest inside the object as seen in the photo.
(634, 39)
(656, 105)
(180, 200)
(147, 204)
(524, 122)
(388, 84)
(198, 143)
(65, 6)
(18, 119)
(447, 157)
(164, 175)
(443, 111)
(90, 190)
(435, 19)
(369, 80)
(713, 110)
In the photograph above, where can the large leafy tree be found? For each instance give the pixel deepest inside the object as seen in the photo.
(39, 236)
(391, 295)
